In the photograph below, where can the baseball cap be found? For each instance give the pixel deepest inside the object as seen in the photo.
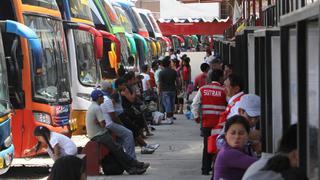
(95, 94)
(105, 85)
(251, 104)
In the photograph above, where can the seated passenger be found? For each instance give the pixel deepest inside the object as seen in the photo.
(59, 145)
(97, 132)
(283, 165)
(232, 162)
(68, 168)
(132, 117)
(125, 135)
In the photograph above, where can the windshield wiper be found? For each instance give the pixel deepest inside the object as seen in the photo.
(56, 69)
(62, 81)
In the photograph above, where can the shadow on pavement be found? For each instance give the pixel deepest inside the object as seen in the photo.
(26, 173)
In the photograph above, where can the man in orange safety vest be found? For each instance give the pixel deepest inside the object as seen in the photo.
(208, 104)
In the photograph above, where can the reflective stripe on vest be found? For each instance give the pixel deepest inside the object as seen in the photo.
(213, 107)
(211, 112)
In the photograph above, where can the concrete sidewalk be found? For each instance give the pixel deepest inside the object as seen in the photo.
(178, 157)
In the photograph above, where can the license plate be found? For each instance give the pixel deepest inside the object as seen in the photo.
(1, 162)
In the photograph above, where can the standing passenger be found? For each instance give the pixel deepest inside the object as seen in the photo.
(233, 87)
(210, 101)
(200, 80)
(186, 76)
(167, 88)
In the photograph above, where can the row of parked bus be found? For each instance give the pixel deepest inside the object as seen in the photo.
(68, 47)
(278, 57)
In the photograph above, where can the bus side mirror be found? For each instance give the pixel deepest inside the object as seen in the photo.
(98, 46)
(115, 41)
(113, 59)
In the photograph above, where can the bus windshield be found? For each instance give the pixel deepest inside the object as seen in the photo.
(86, 62)
(154, 23)
(51, 83)
(80, 9)
(4, 96)
(140, 24)
(147, 23)
(114, 19)
(50, 4)
(124, 19)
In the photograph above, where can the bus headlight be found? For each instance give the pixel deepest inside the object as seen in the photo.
(42, 117)
(8, 141)
(7, 159)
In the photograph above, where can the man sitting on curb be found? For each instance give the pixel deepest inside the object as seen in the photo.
(97, 132)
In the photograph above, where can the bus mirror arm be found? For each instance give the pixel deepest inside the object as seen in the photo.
(16, 71)
(98, 39)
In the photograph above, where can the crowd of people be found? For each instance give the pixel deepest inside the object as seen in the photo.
(229, 118)
(230, 126)
(121, 116)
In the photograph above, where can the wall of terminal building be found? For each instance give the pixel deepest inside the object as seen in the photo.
(172, 8)
(152, 5)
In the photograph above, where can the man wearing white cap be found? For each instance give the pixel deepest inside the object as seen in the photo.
(249, 107)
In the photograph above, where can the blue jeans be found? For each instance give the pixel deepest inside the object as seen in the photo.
(168, 98)
(125, 138)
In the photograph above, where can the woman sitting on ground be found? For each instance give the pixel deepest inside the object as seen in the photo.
(231, 162)
(58, 145)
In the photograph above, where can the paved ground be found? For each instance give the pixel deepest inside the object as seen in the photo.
(178, 157)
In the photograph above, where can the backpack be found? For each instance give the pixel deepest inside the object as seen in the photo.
(111, 166)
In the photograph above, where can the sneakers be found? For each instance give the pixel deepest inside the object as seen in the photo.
(149, 134)
(142, 165)
(136, 170)
(153, 146)
(167, 121)
(146, 150)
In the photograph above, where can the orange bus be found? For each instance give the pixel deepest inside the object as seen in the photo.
(40, 90)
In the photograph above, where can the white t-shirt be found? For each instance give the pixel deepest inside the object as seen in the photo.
(146, 78)
(67, 146)
(107, 107)
(257, 166)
